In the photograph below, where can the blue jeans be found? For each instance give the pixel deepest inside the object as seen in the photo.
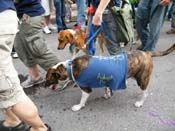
(149, 20)
(81, 8)
(170, 9)
(173, 18)
(60, 14)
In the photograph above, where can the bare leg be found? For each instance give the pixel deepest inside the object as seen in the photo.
(34, 72)
(83, 100)
(27, 112)
(47, 20)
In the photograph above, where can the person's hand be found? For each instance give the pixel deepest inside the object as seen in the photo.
(97, 19)
(164, 2)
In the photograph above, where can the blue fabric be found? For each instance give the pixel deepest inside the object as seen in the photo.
(60, 14)
(6, 4)
(81, 8)
(173, 18)
(150, 16)
(95, 3)
(110, 71)
(117, 3)
(93, 34)
(170, 9)
(91, 40)
(29, 7)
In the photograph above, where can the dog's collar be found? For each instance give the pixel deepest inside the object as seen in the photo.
(69, 70)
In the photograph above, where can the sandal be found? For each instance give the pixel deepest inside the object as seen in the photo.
(19, 127)
(48, 128)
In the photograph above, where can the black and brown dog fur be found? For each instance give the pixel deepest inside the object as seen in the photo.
(140, 66)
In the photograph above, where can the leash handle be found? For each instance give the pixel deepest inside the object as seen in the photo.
(90, 44)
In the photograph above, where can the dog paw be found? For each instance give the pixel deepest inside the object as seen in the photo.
(138, 104)
(108, 93)
(76, 107)
(106, 96)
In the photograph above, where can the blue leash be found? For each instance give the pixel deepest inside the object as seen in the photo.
(92, 34)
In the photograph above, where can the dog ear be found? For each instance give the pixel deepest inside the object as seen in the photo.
(49, 73)
(57, 75)
(69, 37)
(61, 69)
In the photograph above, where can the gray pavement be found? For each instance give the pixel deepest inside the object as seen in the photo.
(117, 113)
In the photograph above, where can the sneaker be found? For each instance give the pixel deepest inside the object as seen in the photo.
(46, 30)
(29, 82)
(172, 31)
(19, 127)
(52, 27)
(14, 55)
(67, 19)
(48, 127)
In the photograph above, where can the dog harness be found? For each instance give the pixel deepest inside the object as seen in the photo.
(110, 71)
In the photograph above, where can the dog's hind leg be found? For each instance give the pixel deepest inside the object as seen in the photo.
(143, 98)
(84, 97)
(142, 79)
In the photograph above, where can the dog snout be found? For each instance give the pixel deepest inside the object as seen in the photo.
(50, 82)
(60, 48)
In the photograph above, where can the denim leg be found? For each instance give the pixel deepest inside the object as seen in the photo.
(156, 22)
(63, 14)
(60, 14)
(81, 8)
(173, 18)
(149, 20)
(142, 20)
(170, 9)
(113, 46)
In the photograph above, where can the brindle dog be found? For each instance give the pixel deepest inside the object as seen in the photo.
(140, 65)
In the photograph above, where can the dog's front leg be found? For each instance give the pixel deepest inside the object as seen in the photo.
(85, 95)
(142, 100)
(108, 93)
(78, 53)
(74, 53)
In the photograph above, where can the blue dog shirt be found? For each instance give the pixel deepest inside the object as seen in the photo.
(102, 71)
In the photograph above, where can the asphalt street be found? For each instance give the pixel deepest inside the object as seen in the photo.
(118, 113)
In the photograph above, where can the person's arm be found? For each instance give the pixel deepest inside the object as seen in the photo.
(164, 2)
(97, 18)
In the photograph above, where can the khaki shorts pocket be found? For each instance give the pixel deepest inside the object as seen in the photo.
(6, 87)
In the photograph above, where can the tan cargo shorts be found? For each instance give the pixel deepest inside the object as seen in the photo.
(11, 92)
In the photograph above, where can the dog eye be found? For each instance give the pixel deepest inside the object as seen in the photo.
(56, 75)
(60, 40)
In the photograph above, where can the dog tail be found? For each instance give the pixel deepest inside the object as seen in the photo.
(162, 53)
